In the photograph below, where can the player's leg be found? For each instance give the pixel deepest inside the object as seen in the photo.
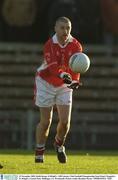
(64, 107)
(44, 100)
(63, 126)
(42, 131)
(43, 126)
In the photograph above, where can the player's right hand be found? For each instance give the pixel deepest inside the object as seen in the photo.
(66, 77)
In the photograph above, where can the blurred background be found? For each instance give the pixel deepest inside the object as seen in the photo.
(25, 25)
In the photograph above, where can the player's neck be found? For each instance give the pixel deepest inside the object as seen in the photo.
(62, 42)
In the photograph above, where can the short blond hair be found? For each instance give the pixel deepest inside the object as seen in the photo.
(63, 19)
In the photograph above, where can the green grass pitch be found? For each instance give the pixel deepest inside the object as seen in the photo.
(86, 162)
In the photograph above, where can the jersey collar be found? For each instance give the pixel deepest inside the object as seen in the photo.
(55, 40)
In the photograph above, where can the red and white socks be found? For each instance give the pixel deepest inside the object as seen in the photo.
(39, 152)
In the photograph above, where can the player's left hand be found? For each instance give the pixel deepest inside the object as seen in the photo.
(75, 85)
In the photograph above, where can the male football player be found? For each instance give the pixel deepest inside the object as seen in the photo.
(54, 84)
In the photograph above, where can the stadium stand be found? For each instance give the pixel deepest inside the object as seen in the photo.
(95, 106)
(17, 69)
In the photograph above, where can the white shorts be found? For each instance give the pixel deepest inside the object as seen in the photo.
(47, 95)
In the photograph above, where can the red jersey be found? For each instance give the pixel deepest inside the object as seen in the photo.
(56, 60)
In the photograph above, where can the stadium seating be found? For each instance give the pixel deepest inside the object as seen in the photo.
(96, 105)
(18, 64)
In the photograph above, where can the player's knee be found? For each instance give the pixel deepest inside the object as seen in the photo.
(46, 125)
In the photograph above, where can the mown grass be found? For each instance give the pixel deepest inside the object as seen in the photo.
(91, 162)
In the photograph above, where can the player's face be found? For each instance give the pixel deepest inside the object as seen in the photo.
(63, 30)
